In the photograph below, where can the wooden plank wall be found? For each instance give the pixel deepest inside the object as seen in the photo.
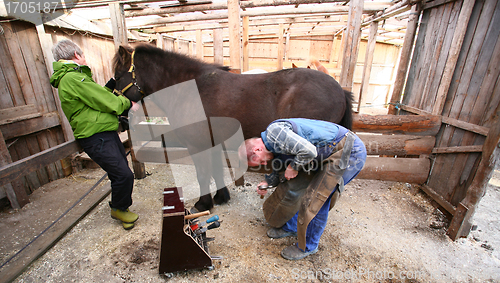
(24, 81)
(25, 86)
(474, 93)
(299, 50)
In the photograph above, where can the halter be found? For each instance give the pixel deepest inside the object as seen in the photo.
(133, 82)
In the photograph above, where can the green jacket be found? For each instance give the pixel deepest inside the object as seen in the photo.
(89, 107)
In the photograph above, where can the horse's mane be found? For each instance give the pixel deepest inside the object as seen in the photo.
(157, 55)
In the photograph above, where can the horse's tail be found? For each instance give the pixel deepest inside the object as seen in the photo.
(347, 119)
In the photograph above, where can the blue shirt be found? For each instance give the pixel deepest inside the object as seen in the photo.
(298, 141)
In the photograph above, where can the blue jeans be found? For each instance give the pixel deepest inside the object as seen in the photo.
(317, 225)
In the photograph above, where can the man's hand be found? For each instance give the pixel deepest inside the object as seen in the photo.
(290, 173)
(262, 192)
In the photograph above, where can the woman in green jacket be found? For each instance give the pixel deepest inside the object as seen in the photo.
(92, 112)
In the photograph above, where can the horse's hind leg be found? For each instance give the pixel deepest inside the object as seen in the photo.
(222, 195)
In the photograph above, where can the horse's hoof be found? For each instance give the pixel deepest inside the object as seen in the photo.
(222, 196)
(202, 206)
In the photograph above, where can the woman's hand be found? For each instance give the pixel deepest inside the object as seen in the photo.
(135, 106)
(290, 173)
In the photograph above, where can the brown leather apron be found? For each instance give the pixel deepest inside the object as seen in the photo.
(308, 191)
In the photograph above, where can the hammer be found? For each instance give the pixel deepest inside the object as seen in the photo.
(264, 188)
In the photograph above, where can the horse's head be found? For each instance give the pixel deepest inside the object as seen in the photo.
(127, 83)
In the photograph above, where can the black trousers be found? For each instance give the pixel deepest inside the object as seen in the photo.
(107, 150)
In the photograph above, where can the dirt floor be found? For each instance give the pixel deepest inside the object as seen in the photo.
(378, 232)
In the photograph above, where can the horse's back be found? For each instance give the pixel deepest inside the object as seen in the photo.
(258, 99)
(310, 94)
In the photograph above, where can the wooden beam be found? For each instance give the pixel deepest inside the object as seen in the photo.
(14, 170)
(456, 46)
(26, 127)
(367, 68)
(234, 19)
(118, 23)
(436, 3)
(458, 149)
(351, 44)
(390, 12)
(256, 22)
(450, 121)
(399, 145)
(461, 222)
(244, 5)
(439, 199)
(18, 113)
(428, 125)
(268, 12)
(405, 58)
(408, 170)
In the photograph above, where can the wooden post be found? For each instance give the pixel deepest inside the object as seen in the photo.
(280, 48)
(199, 44)
(460, 224)
(176, 45)
(367, 68)
(287, 45)
(120, 38)
(46, 44)
(340, 58)
(246, 32)
(333, 49)
(16, 194)
(404, 60)
(351, 44)
(118, 23)
(159, 40)
(190, 48)
(233, 7)
(456, 46)
(218, 47)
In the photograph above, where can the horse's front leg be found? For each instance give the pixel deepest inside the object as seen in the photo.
(202, 162)
(222, 195)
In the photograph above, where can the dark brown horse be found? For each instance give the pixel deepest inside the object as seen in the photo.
(254, 100)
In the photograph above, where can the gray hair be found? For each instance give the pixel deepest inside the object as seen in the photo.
(65, 49)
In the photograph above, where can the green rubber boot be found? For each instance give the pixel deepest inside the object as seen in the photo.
(124, 215)
(128, 226)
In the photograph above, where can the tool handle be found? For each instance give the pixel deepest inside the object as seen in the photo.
(196, 215)
(264, 188)
(212, 219)
(214, 225)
